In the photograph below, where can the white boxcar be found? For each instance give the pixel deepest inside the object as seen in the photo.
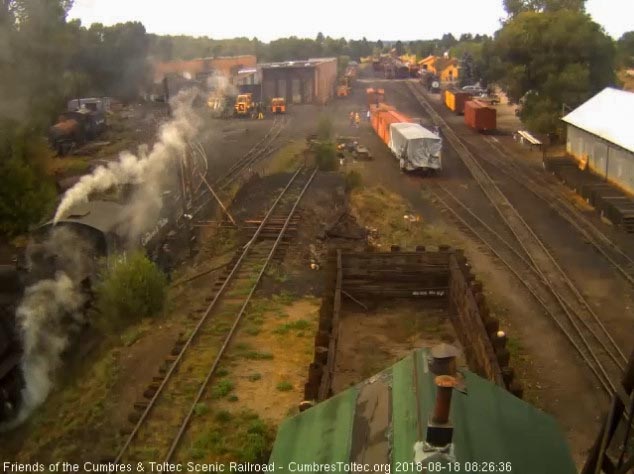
(415, 147)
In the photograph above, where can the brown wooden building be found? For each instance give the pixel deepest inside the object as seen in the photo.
(300, 82)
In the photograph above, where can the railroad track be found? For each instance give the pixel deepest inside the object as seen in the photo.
(596, 344)
(527, 179)
(262, 149)
(165, 418)
(592, 346)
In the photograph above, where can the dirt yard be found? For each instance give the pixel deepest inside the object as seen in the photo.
(370, 342)
(261, 382)
(553, 375)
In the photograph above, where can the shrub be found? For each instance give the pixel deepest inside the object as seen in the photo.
(324, 128)
(131, 289)
(284, 386)
(353, 181)
(222, 388)
(25, 196)
(326, 156)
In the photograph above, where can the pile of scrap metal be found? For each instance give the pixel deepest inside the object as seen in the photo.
(346, 227)
(83, 121)
(350, 147)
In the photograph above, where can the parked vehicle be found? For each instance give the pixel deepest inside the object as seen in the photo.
(278, 105)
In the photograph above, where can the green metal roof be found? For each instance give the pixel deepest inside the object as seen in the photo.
(377, 421)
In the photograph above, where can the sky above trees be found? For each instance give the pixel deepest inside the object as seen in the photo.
(267, 20)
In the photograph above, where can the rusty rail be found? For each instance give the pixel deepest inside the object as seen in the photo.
(218, 294)
(562, 288)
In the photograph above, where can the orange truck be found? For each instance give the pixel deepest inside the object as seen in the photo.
(278, 105)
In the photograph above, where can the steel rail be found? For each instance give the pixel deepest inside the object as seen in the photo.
(200, 323)
(588, 230)
(599, 372)
(239, 316)
(510, 215)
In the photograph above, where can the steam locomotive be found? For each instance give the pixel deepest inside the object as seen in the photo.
(84, 121)
(88, 233)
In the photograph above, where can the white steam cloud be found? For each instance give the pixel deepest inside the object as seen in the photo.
(49, 312)
(52, 308)
(149, 169)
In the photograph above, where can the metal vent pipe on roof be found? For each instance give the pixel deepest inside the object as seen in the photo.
(444, 387)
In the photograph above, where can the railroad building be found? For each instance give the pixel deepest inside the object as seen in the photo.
(300, 82)
(447, 69)
(228, 66)
(406, 415)
(599, 135)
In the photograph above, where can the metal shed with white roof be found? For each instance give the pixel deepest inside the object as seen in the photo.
(601, 133)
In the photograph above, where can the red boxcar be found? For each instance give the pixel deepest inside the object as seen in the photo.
(480, 116)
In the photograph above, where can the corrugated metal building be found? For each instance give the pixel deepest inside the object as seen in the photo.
(600, 133)
(382, 421)
(300, 82)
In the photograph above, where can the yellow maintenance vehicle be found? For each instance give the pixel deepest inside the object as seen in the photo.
(278, 105)
(343, 87)
(244, 105)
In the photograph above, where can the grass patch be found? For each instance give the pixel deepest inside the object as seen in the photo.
(223, 416)
(515, 348)
(249, 440)
(284, 386)
(298, 325)
(284, 298)
(253, 331)
(353, 181)
(276, 273)
(201, 409)
(254, 377)
(132, 334)
(222, 388)
(255, 355)
(391, 221)
(287, 158)
(69, 165)
(222, 372)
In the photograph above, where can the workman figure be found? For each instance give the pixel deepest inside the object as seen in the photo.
(260, 111)
(357, 119)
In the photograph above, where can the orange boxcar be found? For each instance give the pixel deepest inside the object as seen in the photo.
(480, 116)
(388, 118)
(375, 112)
(375, 96)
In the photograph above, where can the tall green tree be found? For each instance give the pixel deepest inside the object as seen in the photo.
(625, 49)
(34, 51)
(550, 59)
(515, 7)
(400, 49)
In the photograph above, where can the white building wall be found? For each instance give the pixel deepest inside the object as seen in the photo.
(604, 158)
